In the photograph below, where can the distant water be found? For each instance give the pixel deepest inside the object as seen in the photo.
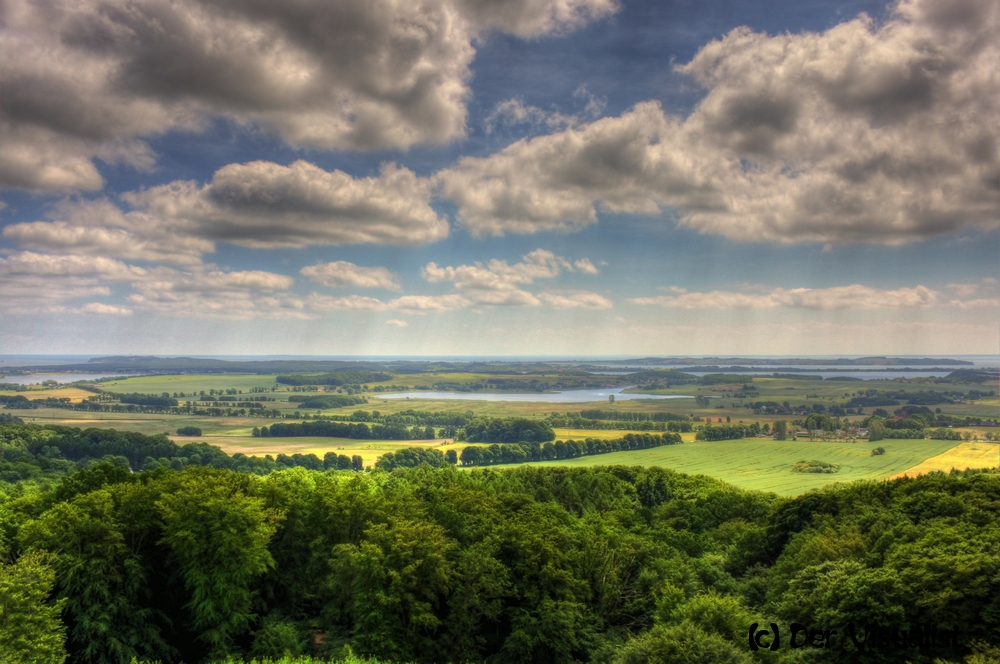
(978, 362)
(59, 378)
(862, 374)
(569, 396)
(766, 372)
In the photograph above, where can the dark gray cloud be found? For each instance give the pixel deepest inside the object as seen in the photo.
(263, 204)
(91, 78)
(864, 133)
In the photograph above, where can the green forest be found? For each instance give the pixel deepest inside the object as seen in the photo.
(211, 563)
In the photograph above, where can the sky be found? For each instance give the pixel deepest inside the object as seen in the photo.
(508, 177)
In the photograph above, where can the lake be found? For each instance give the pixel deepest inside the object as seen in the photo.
(59, 378)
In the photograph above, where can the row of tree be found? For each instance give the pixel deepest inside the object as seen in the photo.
(570, 449)
(355, 430)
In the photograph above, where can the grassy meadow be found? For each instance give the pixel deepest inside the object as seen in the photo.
(766, 465)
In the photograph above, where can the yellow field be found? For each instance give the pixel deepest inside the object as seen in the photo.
(606, 434)
(369, 450)
(75, 395)
(965, 455)
(603, 434)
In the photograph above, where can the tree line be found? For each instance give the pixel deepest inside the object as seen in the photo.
(336, 379)
(31, 453)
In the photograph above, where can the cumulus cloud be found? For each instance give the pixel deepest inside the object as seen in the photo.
(963, 290)
(575, 299)
(206, 292)
(838, 297)
(497, 283)
(320, 302)
(33, 283)
(498, 275)
(263, 204)
(429, 303)
(410, 303)
(513, 112)
(977, 303)
(100, 228)
(341, 273)
(397, 322)
(91, 79)
(38, 283)
(258, 204)
(493, 284)
(863, 133)
(31, 264)
(105, 309)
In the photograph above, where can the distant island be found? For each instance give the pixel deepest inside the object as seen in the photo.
(784, 362)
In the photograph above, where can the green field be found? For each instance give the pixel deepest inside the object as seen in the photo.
(188, 383)
(766, 464)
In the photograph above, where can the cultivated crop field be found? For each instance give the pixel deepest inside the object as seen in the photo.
(369, 450)
(966, 455)
(189, 383)
(766, 464)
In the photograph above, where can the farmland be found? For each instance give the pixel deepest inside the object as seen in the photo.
(766, 465)
(960, 457)
(755, 463)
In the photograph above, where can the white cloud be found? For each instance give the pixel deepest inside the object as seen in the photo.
(258, 204)
(263, 204)
(28, 263)
(864, 133)
(498, 275)
(99, 228)
(397, 322)
(575, 299)
(319, 302)
(425, 303)
(90, 79)
(497, 283)
(838, 297)
(978, 303)
(409, 303)
(105, 309)
(38, 283)
(513, 112)
(341, 273)
(963, 290)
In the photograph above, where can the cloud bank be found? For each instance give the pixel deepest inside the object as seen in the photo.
(863, 133)
(838, 297)
(93, 78)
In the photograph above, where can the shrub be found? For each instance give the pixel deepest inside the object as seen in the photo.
(815, 467)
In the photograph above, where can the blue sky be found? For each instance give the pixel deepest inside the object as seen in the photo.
(528, 177)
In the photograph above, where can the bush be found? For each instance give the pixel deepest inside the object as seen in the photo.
(815, 467)
(878, 451)
(189, 431)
